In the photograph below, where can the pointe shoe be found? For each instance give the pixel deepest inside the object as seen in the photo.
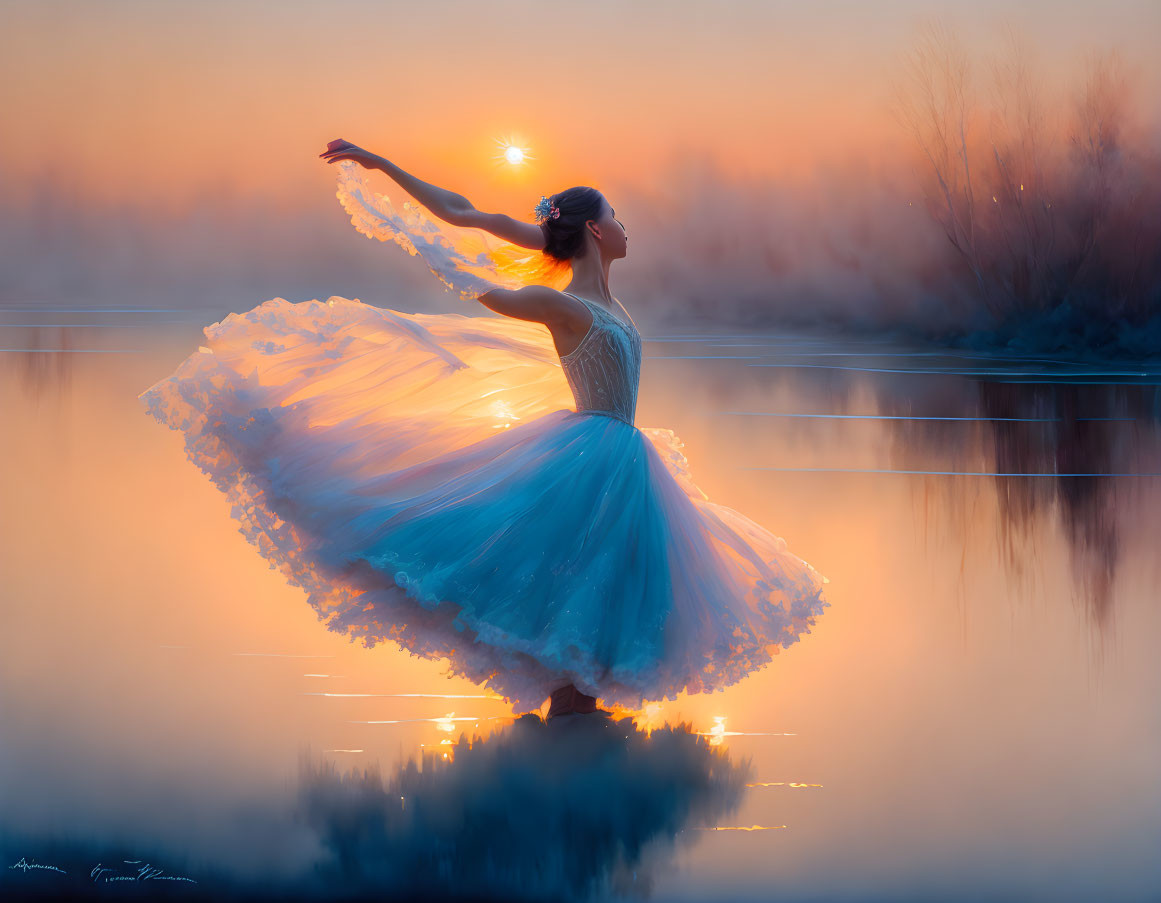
(569, 700)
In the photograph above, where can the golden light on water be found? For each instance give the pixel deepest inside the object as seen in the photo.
(750, 828)
(647, 719)
(718, 732)
(404, 695)
(443, 722)
(282, 655)
(781, 784)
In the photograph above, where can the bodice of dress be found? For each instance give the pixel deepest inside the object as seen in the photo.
(604, 370)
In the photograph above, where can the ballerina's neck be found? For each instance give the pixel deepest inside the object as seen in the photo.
(607, 310)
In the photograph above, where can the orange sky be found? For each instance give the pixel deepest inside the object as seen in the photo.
(148, 104)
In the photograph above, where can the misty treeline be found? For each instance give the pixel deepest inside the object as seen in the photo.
(1019, 208)
(1051, 201)
(1018, 205)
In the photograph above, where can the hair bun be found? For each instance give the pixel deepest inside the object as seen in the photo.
(564, 221)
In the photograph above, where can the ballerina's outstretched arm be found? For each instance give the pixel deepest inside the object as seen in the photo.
(467, 271)
(447, 205)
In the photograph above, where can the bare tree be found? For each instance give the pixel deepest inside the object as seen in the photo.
(1037, 225)
(1026, 219)
(933, 103)
(1099, 118)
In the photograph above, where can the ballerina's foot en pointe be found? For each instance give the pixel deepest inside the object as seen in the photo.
(569, 700)
(476, 488)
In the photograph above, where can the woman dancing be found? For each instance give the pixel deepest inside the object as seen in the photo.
(475, 488)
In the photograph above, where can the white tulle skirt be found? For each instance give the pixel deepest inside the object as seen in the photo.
(426, 480)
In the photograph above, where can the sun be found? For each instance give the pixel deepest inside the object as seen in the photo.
(511, 153)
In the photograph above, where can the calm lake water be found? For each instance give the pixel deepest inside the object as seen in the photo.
(975, 714)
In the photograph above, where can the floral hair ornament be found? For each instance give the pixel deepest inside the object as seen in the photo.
(545, 210)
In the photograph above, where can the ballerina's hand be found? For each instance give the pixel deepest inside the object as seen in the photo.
(344, 150)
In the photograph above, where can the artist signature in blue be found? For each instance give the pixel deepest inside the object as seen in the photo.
(99, 873)
(24, 865)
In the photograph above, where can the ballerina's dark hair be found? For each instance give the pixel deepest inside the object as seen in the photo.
(565, 235)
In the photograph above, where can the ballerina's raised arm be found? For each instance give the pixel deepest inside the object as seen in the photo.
(565, 319)
(447, 205)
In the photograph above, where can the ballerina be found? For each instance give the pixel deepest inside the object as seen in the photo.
(476, 488)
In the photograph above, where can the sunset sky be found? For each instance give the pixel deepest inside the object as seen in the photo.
(150, 103)
(150, 146)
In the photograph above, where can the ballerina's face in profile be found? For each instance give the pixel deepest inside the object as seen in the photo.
(609, 233)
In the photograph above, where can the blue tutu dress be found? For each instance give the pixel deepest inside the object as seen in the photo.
(452, 484)
(420, 478)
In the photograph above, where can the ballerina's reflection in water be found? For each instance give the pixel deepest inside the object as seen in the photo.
(475, 488)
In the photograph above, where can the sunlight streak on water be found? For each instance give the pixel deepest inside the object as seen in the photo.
(1059, 376)
(911, 417)
(415, 695)
(284, 654)
(745, 828)
(942, 473)
(782, 784)
(442, 721)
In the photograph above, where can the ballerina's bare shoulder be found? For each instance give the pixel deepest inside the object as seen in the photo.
(567, 318)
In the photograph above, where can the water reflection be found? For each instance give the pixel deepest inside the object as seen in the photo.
(1099, 439)
(1057, 440)
(1087, 438)
(41, 347)
(576, 808)
(43, 358)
